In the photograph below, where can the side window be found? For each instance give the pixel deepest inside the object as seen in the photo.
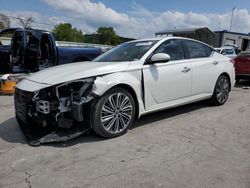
(209, 50)
(5, 38)
(197, 50)
(173, 48)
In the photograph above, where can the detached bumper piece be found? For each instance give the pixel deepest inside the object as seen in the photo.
(38, 135)
(41, 120)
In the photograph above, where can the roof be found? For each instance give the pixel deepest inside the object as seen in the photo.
(21, 29)
(230, 32)
(184, 31)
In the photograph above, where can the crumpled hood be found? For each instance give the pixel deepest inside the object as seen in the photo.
(74, 71)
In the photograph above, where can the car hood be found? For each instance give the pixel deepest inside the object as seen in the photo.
(74, 71)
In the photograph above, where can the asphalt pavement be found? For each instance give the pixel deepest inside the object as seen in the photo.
(192, 146)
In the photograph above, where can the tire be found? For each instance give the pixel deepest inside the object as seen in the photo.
(221, 91)
(118, 106)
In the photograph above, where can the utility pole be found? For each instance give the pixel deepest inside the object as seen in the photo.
(232, 18)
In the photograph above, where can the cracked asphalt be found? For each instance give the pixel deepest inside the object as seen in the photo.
(192, 146)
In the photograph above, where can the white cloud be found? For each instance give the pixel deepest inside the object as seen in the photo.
(138, 22)
(93, 13)
(40, 21)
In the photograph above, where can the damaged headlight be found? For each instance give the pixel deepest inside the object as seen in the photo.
(63, 104)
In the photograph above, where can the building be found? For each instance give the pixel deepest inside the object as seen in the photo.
(241, 40)
(202, 34)
(215, 39)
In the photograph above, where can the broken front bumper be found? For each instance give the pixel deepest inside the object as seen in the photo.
(36, 133)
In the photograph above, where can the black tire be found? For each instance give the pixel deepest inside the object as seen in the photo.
(117, 115)
(221, 91)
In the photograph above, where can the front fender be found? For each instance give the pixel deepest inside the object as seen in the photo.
(133, 79)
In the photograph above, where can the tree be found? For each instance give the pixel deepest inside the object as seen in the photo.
(65, 32)
(108, 36)
(4, 21)
(26, 22)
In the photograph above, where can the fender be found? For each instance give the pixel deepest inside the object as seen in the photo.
(103, 83)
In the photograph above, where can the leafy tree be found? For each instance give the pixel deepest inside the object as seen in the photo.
(4, 21)
(65, 32)
(107, 35)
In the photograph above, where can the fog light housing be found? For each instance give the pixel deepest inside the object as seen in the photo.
(43, 107)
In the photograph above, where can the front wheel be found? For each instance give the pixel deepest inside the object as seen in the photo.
(113, 113)
(221, 91)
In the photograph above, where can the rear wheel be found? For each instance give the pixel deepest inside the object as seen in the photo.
(221, 91)
(113, 113)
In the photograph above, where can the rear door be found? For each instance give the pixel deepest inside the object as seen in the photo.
(5, 48)
(53, 52)
(204, 66)
(17, 53)
(170, 81)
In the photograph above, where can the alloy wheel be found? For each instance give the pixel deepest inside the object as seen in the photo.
(116, 113)
(222, 90)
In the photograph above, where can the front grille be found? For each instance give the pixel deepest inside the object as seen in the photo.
(23, 101)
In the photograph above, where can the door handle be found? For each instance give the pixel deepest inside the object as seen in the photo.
(186, 69)
(215, 62)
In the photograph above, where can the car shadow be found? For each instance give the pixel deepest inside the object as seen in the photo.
(11, 132)
(242, 84)
(169, 113)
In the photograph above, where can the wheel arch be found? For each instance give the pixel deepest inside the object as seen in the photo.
(80, 58)
(125, 81)
(227, 75)
(133, 93)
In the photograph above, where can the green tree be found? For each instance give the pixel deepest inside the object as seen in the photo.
(108, 36)
(65, 32)
(4, 21)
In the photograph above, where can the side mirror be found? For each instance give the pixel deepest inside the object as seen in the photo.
(160, 58)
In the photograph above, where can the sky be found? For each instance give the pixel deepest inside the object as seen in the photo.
(132, 18)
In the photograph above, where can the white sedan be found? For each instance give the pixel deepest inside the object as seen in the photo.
(228, 51)
(130, 80)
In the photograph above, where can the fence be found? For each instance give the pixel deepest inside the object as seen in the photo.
(77, 44)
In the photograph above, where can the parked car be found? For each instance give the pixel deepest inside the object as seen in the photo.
(229, 51)
(130, 80)
(29, 50)
(242, 66)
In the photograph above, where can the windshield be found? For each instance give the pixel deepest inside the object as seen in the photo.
(228, 51)
(130, 51)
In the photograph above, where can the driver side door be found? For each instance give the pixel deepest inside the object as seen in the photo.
(167, 84)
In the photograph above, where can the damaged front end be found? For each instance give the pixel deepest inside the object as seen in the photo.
(57, 113)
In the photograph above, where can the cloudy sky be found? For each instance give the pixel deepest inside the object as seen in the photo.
(132, 18)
